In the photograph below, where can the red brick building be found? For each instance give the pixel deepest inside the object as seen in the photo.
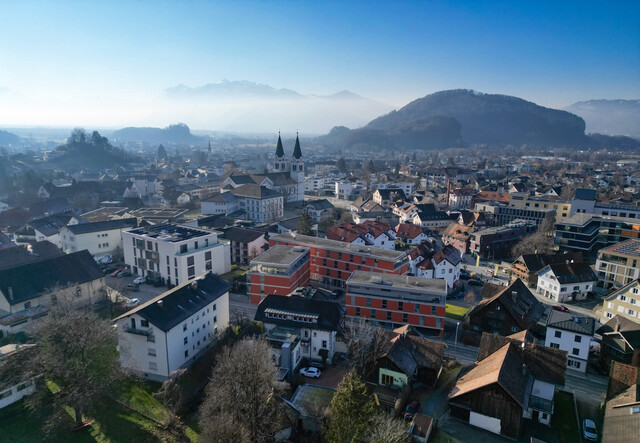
(332, 261)
(279, 270)
(393, 300)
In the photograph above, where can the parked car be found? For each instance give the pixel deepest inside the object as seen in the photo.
(460, 294)
(116, 272)
(475, 282)
(132, 287)
(139, 280)
(561, 308)
(310, 372)
(589, 430)
(316, 364)
(125, 273)
(132, 302)
(410, 410)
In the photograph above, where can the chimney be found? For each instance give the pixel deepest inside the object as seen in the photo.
(160, 303)
(616, 328)
(514, 295)
(10, 290)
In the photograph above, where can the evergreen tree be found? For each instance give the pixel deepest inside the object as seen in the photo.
(396, 170)
(342, 165)
(369, 167)
(305, 225)
(162, 153)
(351, 411)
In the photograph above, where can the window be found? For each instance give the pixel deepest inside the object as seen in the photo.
(558, 334)
(186, 340)
(27, 305)
(631, 312)
(577, 339)
(554, 345)
(324, 344)
(190, 261)
(368, 302)
(416, 308)
(184, 327)
(384, 304)
(151, 352)
(214, 307)
(357, 312)
(400, 306)
(575, 351)
(186, 353)
(388, 315)
(153, 365)
(386, 379)
(373, 313)
(405, 318)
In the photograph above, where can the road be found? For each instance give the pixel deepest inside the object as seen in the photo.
(239, 305)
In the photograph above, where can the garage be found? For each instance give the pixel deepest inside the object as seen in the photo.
(485, 422)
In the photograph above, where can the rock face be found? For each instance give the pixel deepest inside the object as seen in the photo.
(611, 117)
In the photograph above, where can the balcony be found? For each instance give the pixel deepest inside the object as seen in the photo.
(137, 331)
(541, 404)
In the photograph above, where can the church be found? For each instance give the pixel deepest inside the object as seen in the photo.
(287, 176)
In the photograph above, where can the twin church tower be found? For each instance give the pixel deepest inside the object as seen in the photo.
(293, 167)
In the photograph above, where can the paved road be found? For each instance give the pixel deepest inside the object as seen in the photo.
(239, 304)
(146, 292)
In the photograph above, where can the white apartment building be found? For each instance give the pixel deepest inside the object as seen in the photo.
(563, 282)
(343, 189)
(573, 334)
(100, 238)
(221, 204)
(174, 253)
(259, 203)
(170, 331)
(444, 264)
(624, 302)
(313, 184)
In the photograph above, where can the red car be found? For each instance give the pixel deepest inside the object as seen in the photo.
(116, 272)
(561, 308)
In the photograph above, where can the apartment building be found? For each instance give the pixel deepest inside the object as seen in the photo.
(245, 244)
(589, 233)
(573, 334)
(521, 200)
(174, 253)
(497, 242)
(279, 270)
(623, 302)
(332, 261)
(100, 238)
(619, 264)
(259, 203)
(562, 282)
(172, 330)
(585, 203)
(499, 214)
(395, 300)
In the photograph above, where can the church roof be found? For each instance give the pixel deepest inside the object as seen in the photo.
(279, 148)
(297, 153)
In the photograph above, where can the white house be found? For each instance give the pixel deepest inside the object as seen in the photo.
(175, 253)
(319, 210)
(563, 282)
(11, 393)
(343, 189)
(410, 234)
(573, 334)
(100, 238)
(183, 199)
(170, 331)
(221, 204)
(313, 184)
(444, 264)
(3, 206)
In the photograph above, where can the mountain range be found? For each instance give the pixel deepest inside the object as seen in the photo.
(8, 138)
(611, 117)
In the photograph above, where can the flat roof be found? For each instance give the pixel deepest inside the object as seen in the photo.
(170, 232)
(340, 246)
(629, 247)
(158, 212)
(377, 279)
(280, 255)
(581, 219)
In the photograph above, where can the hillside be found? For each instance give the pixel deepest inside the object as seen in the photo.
(178, 133)
(82, 150)
(612, 117)
(8, 139)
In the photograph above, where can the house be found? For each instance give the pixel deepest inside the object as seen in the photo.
(299, 328)
(421, 428)
(100, 238)
(279, 270)
(259, 203)
(512, 381)
(458, 236)
(619, 264)
(405, 211)
(319, 210)
(444, 264)
(563, 282)
(620, 341)
(571, 333)
(407, 358)
(343, 189)
(510, 310)
(245, 244)
(460, 198)
(172, 330)
(221, 204)
(526, 267)
(71, 278)
(173, 254)
(11, 392)
(431, 219)
(46, 228)
(497, 242)
(384, 197)
(622, 407)
(623, 302)
(370, 233)
(27, 253)
(365, 205)
(310, 402)
(410, 234)
(183, 199)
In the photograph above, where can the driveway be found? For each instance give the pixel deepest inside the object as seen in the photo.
(330, 378)
(146, 292)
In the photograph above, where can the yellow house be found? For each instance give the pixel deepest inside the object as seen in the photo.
(624, 302)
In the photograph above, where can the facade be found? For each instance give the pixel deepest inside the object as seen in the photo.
(343, 189)
(221, 204)
(431, 219)
(619, 264)
(496, 243)
(279, 270)
(332, 261)
(259, 203)
(170, 331)
(458, 236)
(573, 334)
(460, 198)
(384, 197)
(563, 282)
(245, 244)
(395, 300)
(410, 234)
(444, 264)
(588, 233)
(319, 210)
(174, 253)
(522, 200)
(526, 267)
(498, 214)
(623, 302)
(585, 203)
(10, 392)
(100, 238)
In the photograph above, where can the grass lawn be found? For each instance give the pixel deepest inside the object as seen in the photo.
(234, 273)
(138, 395)
(455, 312)
(564, 419)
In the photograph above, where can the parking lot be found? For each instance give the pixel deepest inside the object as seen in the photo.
(145, 293)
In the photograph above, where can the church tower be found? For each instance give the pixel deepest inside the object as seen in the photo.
(297, 168)
(280, 163)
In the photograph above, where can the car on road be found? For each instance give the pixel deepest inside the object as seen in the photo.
(589, 430)
(310, 372)
(561, 308)
(116, 272)
(412, 407)
(132, 302)
(139, 280)
(459, 294)
(475, 282)
(132, 287)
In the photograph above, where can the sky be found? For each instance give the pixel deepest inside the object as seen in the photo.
(107, 63)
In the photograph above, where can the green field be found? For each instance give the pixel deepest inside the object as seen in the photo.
(455, 312)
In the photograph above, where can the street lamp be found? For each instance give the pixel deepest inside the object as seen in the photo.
(456, 342)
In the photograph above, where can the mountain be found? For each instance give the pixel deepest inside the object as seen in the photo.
(8, 139)
(612, 117)
(178, 133)
(464, 117)
(233, 89)
(94, 151)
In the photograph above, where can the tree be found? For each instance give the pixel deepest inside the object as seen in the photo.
(342, 165)
(386, 429)
(538, 243)
(242, 394)
(351, 410)
(396, 169)
(74, 359)
(369, 167)
(162, 153)
(305, 225)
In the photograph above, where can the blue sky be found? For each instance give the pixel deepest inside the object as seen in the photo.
(553, 53)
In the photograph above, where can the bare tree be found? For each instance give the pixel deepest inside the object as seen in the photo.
(538, 243)
(366, 344)
(172, 396)
(387, 429)
(242, 387)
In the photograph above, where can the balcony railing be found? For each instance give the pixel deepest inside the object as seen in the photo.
(136, 331)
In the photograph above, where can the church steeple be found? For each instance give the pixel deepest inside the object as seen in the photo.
(280, 164)
(279, 148)
(297, 153)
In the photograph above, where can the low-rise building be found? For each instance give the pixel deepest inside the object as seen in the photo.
(620, 341)
(410, 234)
(11, 392)
(623, 302)
(100, 238)
(497, 242)
(384, 197)
(444, 264)
(343, 189)
(619, 264)
(521, 200)
(573, 334)
(319, 210)
(171, 330)
(245, 244)
(369, 233)
(563, 282)
(526, 267)
(458, 236)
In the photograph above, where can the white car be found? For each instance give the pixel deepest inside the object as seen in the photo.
(132, 302)
(139, 280)
(589, 430)
(310, 372)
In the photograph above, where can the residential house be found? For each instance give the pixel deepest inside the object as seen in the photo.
(622, 407)
(370, 233)
(410, 234)
(512, 381)
(319, 210)
(384, 197)
(619, 264)
(173, 253)
(460, 198)
(405, 211)
(221, 204)
(172, 330)
(365, 205)
(343, 189)
(245, 244)
(259, 203)
(100, 238)
(563, 282)
(444, 264)
(527, 267)
(28, 253)
(623, 302)
(571, 333)
(11, 392)
(432, 219)
(458, 236)
(46, 228)
(620, 341)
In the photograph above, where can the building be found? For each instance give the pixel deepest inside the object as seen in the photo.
(369, 233)
(619, 264)
(510, 310)
(512, 381)
(173, 253)
(28, 291)
(319, 210)
(343, 189)
(526, 267)
(100, 238)
(585, 203)
(497, 242)
(588, 233)
(573, 334)
(221, 204)
(562, 282)
(173, 329)
(525, 201)
(460, 198)
(620, 342)
(623, 302)
(410, 234)
(384, 197)
(432, 219)
(395, 300)
(11, 392)
(458, 236)
(332, 261)
(279, 270)
(622, 408)
(259, 203)
(245, 244)
(499, 214)
(299, 328)
(15, 255)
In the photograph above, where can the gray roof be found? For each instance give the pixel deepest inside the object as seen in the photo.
(242, 235)
(621, 423)
(254, 191)
(281, 255)
(577, 272)
(435, 286)
(329, 314)
(32, 252)
(585, 194)
(320, 204)
(571, 322)
(85, 228)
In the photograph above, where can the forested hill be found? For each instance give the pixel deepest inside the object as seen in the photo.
(91, 151)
